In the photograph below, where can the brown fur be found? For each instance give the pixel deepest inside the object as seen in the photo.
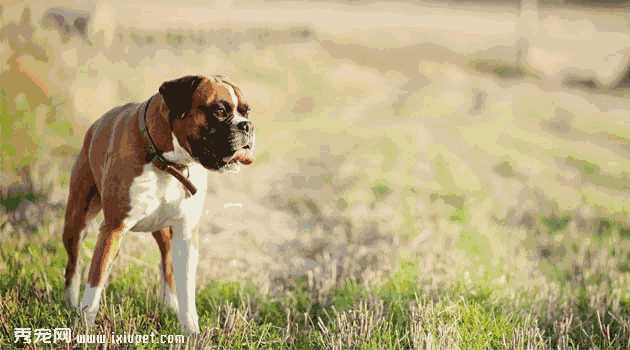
(100, 179)
(163, 239)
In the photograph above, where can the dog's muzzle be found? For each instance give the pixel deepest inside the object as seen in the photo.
(243, 154)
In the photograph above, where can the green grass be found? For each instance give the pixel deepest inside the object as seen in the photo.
(501, 69)
(398, 313)
(12, 201)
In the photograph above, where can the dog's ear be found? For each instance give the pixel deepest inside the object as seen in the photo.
(177, 94)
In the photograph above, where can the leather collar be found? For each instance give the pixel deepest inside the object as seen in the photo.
(155, 156)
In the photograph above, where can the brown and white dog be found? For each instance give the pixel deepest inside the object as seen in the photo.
(142, 164)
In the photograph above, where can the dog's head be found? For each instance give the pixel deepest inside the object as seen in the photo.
(210, 119)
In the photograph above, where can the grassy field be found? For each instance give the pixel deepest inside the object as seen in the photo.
(398, 200)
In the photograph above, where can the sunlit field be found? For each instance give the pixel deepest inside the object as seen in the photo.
(413, 188)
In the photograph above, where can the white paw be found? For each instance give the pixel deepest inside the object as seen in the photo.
(170, 300)
(189, 323)
(88, 316)
(72, 297)
(72, 291)
(89, 304)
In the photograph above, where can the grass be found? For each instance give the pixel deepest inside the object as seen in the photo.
(399, 312)
(500, 69)
(431, 205)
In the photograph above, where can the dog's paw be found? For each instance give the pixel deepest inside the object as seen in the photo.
(72, 291)
(88, 316)
(89, 304)
(170, 300)
(72, 298)
(189, 323)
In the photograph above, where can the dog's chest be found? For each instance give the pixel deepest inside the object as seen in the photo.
(158, 200)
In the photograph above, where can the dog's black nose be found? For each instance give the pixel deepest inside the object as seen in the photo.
(244, 126)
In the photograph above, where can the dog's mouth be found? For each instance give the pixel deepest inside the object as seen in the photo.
(233, 163)
(243, 156)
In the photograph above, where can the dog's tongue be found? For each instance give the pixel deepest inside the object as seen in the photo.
(243, 156)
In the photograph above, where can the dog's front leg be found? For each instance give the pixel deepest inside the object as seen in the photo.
(104, 254)
(185, 257)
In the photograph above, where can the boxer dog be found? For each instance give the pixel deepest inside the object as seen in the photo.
(145, 165)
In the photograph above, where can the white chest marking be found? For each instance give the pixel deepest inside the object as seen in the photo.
(158, 200)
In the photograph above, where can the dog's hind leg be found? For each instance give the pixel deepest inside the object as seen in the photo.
(163, 239)
(83, 204)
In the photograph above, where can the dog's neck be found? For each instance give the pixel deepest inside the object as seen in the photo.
(159, 127)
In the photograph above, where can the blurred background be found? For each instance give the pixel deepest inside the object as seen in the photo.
(480, 145)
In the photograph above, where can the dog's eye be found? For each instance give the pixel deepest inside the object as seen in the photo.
(220, 111)
(244, 110)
